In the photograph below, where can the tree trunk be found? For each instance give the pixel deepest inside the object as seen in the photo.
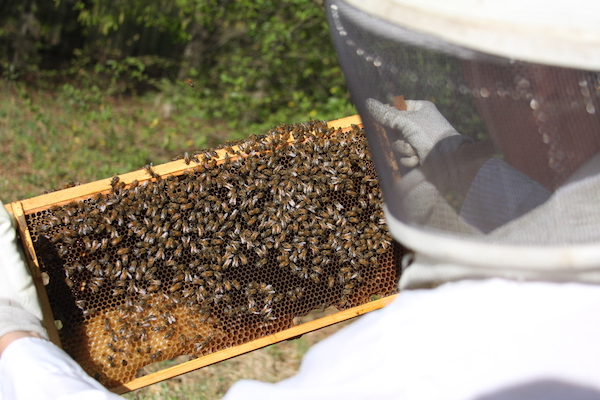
(193, 53)
(28, 35)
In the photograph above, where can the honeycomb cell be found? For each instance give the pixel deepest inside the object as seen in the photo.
(231, 250)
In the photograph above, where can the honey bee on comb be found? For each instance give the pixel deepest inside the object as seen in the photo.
(289, 224)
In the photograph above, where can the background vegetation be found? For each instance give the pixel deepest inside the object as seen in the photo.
(93, 88)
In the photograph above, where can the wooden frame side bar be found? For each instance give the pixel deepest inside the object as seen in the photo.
(32, 263)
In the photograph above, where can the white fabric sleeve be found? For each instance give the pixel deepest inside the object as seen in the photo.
(558, 221)
(493, 339)
(499, 194)
(19, 305)
(32, 368)
(14, 318)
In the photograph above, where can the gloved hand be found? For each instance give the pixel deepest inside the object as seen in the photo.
(19, 305)
(422, 126)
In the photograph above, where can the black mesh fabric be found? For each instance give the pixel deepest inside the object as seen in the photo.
(513, 159)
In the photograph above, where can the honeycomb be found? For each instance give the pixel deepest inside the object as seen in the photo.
(229, 250)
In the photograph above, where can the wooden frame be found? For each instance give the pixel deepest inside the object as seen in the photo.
(20, 209)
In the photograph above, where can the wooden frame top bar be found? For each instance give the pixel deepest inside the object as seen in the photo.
(176, 167)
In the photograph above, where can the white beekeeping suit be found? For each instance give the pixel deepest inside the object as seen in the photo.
(490, 174)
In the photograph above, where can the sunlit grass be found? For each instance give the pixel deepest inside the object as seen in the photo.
(46, 140)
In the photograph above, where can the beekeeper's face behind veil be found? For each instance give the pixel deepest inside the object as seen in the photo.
(547, 131)
(493, 167)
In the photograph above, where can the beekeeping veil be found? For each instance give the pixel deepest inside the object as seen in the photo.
(490, 167)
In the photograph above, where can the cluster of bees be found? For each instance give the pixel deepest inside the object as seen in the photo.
(232, 249)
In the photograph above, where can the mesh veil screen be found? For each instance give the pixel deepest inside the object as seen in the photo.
(501, 155)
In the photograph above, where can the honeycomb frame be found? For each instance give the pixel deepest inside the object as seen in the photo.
(212, 255)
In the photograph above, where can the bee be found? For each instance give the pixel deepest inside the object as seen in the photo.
(82, 304)
(175, 287)
(106, 325)
(261, 263)
(266, 289)
(303, 253)
(152, 288)
(132, 288)
(69, 282)
(188, 293)
(169, 334)
(159, 328)
(116, 240)
(299, 292)
(151, 172)
(178, 252)
(114, 181)
(292, 295)
(170, 243)
(189, 82)
(169, 318)
(191, 324)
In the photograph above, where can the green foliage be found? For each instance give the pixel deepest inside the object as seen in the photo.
(274, 63)
(77, 134)
(254, 63)
(106, 17)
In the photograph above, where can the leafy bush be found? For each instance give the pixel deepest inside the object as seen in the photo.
(253, 62)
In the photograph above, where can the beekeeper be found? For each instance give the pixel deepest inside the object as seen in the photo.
(490, 175)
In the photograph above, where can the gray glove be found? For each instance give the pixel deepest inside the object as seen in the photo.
(19, 306)
(422, 126)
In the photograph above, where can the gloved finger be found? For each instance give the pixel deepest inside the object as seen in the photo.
(410, 122)
(388, 115)
(416, 105)
(408, 155)
(384, 114)
(420, 115)
(16, 282)
(422, 125)
(409, 162)
(404, 148)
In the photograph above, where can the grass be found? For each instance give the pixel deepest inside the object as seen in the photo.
(49, 138)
